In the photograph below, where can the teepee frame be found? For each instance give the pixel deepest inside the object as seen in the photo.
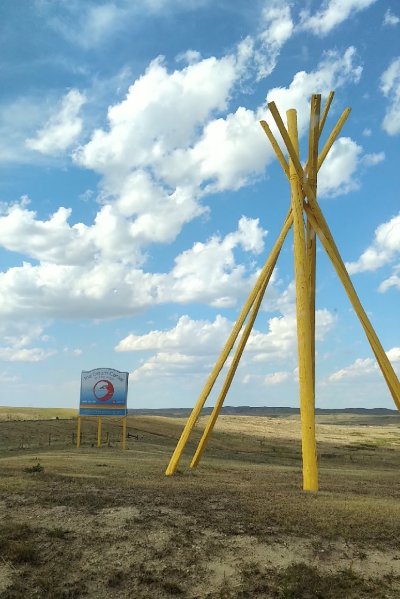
(303, 185)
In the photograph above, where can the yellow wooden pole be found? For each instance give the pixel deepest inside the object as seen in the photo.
(307, 402)
(276, 147)
(317, 130)
(325, 111)
(99, 431)
(322, 229)
(330, 247)
(239, 350)
(315, 164)
(333, 135)
(124, 432)
(190, 423)
(217, 408)
(78, 432)
(311, 245)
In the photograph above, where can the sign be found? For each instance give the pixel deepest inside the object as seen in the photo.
(103, 392)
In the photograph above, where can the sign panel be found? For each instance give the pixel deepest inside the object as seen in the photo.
(104, 392)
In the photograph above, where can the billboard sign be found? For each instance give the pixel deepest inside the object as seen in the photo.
(104, 392)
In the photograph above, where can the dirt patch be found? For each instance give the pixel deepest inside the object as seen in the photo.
(240, 527)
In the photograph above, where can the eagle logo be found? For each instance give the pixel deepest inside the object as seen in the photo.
(103, 390)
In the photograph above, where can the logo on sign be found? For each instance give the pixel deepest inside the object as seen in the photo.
(103, 390)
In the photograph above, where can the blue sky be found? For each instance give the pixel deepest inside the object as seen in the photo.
(139, 196)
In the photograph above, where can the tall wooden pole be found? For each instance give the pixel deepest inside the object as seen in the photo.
(321, 227)
(176, 456)
(304, 343)
(239, 351)
(99, 431)
(78, 433)
(311, 246)
(124, 432)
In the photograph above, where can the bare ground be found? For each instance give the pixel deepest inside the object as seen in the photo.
(106, 523)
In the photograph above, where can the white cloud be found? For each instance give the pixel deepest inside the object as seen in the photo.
(18, 337)
(62, 129)
(277, 27)
(208, 271)
(373, 159)
(160, 112)
(168, 364)
(229, 152)
(337, 174)
(390, 87)
(232, 149)
(281, 339)
(108, 285)
(201, 341)
(392, 281)
(384, 248)
(364, 366)
(359, 368)
(34, 354)
(390, 19)
(394, 355)
(17, 120)
(193, 337)
(331, 14)
(333, 71)
(165, 148)
(276, 378)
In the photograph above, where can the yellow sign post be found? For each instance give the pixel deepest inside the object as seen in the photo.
(99, 431)
(303, 185)
(124, 432)
(78, 433)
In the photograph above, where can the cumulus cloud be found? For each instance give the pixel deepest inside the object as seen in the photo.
(160, 112)
(390, 87)
(34, 354)
(333, 71)
(331, 14)
(383, 250)
(201, 341)
(208, 271)
(189, 336)
(62, 129)
(338, 174)
(364, 366)
(281, 339)
(18, 338)
(109, 287)
(359, 368)
(168, 143)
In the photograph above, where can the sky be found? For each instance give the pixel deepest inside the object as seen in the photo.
(139, 196)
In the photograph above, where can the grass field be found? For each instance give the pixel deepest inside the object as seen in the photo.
(7, 413)
(106, 523)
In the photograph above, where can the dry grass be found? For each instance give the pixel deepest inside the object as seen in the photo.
(11, 413)
(239, 526)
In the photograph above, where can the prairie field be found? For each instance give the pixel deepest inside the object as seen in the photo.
(103, 522)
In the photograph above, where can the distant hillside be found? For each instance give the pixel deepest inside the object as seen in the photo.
(260, 411)
(13, 413)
